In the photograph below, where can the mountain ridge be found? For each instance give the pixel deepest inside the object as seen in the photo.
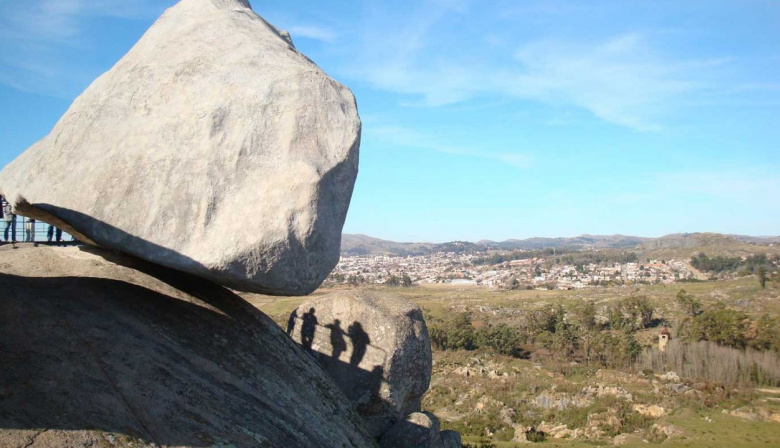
(361, 244)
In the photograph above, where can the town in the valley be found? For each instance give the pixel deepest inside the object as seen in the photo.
(533, 272)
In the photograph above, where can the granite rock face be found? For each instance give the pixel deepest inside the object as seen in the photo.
(451, 439)
(213, 147)
(375, 346)
(417, 430)
(100, 349)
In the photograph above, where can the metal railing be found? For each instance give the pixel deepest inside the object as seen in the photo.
(33, 231)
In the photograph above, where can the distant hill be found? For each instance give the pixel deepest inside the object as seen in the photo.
(684, 245)
(758, 239)
(366, 245)
(579, 242)
(679, 244)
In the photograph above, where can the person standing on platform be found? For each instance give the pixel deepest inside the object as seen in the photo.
(29, 229)
(50, 233)
(9, 218)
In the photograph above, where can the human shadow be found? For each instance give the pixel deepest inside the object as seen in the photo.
(360, 378)
(166, 357)
(360, 342)
(308, 328)
(337, 342)
(291, 322)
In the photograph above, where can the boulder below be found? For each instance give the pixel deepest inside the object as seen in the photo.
(418, 430)
(374, 345)
(102, 350)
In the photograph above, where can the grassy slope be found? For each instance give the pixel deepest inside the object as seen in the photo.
(441, 301)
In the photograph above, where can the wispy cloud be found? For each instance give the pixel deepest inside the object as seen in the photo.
(60, 22)
(40, 22)
(619, 80)
(409, 138)
(622, 79)
(748, 184)
(319, 33)
(37, 37)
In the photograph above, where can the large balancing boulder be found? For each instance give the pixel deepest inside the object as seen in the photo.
(213, 147)
(375, 346)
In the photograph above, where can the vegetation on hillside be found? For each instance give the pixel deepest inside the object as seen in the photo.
(583, 367)
(747, 265)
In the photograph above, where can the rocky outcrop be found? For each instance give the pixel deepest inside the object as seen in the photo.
(451, 439)
(418, 430)
(213, 147)
(375, 346)
(105, 350)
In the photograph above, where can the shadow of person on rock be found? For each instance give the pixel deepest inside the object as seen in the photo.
(371, 381)
(291, 323)
(308, 327)
(337, 341)
(360, 342)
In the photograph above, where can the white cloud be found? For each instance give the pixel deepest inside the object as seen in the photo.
(41, 21)
(621, 79)
(60, 22)
(404, 137)
(320, 33)
(38, 37)
(745, 185)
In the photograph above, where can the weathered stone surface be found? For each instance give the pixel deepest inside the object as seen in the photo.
(418, 430)
(451, 439)
(653, 411)
(213, 147)
(375, 346)
(99, 353)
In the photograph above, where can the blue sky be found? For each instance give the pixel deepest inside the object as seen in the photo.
(491, 120)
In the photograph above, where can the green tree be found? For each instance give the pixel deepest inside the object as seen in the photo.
(406, 281)
(544, 319)
(586, 316)
(501, 338)
(616, 318)
(764, 334)
(393, 281)
(640, 312)
(457, 334)
(720, 325)
(565, 340)
(614, 349)
(688, 303)
(762, 277)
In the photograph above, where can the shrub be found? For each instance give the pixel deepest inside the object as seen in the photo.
(721, 325)
(688, 303)
(613, 350)
(503, 339)
(457, 334)
(535, 436)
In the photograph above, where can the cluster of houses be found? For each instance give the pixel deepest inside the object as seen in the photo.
(531, 273)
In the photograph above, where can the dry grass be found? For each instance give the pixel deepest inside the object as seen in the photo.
(710, 362)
